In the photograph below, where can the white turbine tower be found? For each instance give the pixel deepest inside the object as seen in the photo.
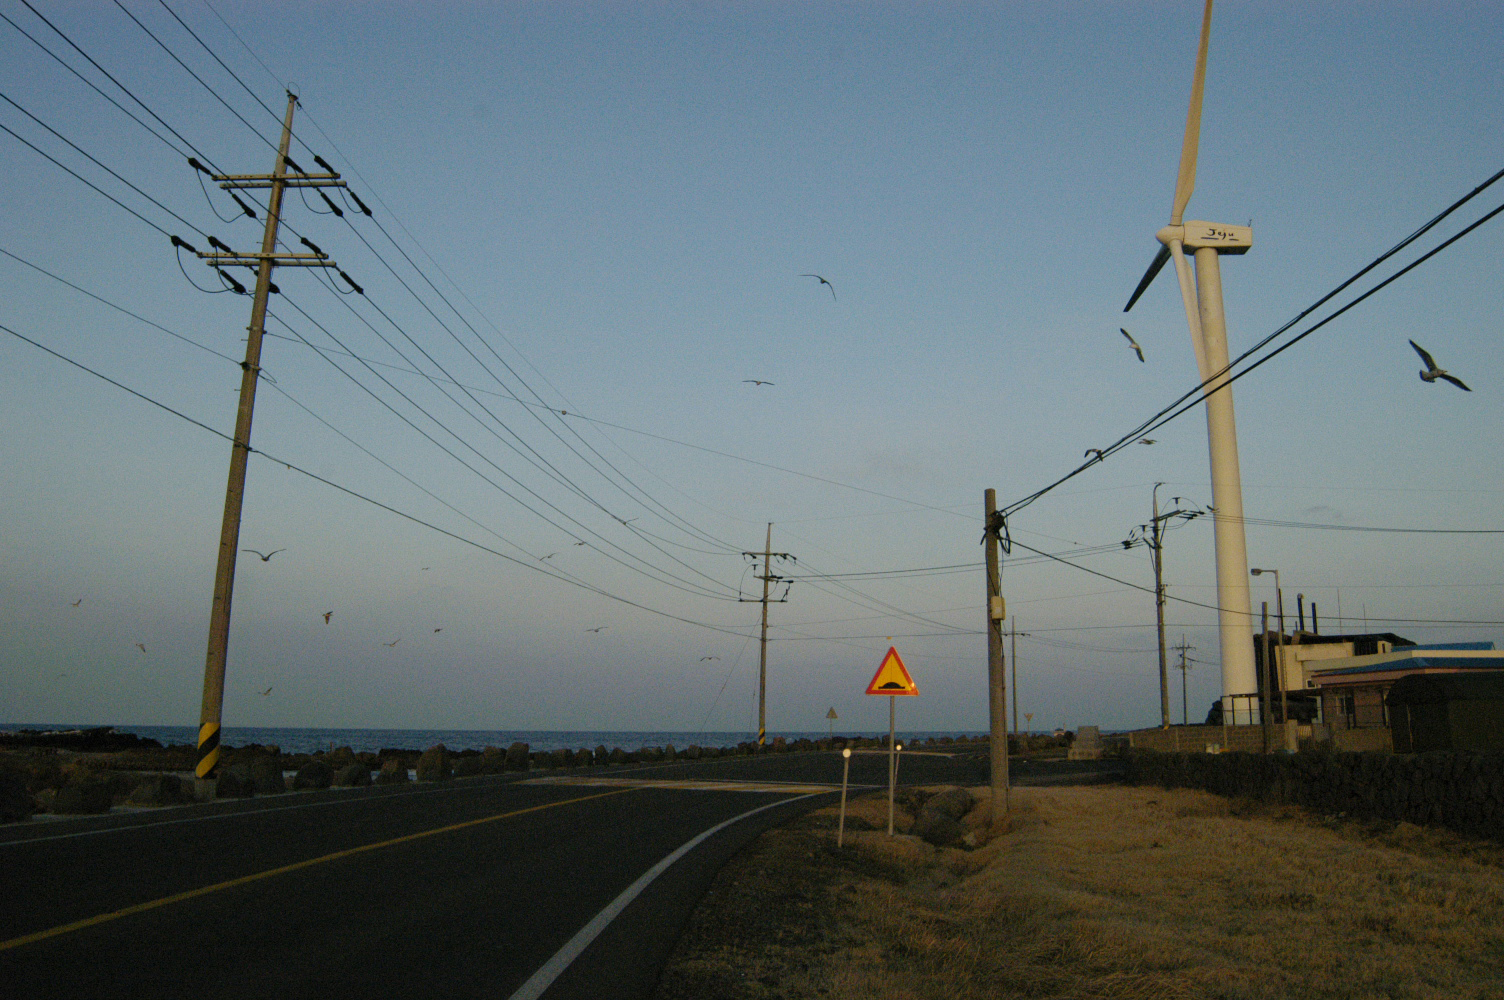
(1203, 310)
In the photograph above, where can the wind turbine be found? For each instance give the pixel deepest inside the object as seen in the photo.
(1202, 296)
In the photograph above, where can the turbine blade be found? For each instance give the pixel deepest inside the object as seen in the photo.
(1149, 275)
(1186, 182)
(1192, 304)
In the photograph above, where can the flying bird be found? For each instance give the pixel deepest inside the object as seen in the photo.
(580, 543)
(141, 646)
(547, 557)
(757, 381)
(601, 629)
(425, 569)
(1432, 373)
(267, 691)
(824, 282)
(438, 630)
(265, 556)
(1148, 440)
(704, 658)
(393, 642)
(1132, 343)
(77, 602)
(328, 615)
(1093, 451)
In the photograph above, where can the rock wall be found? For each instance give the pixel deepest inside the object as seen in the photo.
(1460, 791)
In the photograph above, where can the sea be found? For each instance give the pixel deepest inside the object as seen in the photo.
(308, 740)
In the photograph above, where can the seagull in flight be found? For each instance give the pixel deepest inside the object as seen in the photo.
(393, 642)
(1432, 373)
(1093, 451)
(1132, 343)
(824, 282)
(265, 556)
(547, 557)
(757, 381)
(141, 646)
(77, 603)
(601, 629)
(704, 658)
(438, 630)
(328, 615)
(1148, 440)
(577, 544)
(267, 691)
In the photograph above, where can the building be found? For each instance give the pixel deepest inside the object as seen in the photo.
(1294, 659)
(1455, 711)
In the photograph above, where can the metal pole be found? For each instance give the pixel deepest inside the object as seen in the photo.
(892, 759)
(1185, 714)
(1157, 551)
(212, 708)
(1284, 703)
(1236, 613)
(762, 669)
(1264, 675)
(997, 699)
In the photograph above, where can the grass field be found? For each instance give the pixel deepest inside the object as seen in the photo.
(1103, 892)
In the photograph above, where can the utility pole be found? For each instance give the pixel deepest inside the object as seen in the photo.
(997, 695)
(240, 450)
(767, 578)
(1156, 550)
(1184, 666)
(1013, 634)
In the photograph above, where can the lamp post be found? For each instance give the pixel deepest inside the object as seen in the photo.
(1279, 603)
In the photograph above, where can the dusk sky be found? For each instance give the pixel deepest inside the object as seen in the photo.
(596, 219)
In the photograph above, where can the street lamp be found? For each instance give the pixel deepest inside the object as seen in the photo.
(1279, 603)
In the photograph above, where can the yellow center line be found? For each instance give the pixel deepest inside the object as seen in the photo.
(103, 918)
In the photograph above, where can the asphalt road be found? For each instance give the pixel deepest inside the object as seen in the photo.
(466, 889)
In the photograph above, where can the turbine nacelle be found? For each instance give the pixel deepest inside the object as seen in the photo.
(1214, 235)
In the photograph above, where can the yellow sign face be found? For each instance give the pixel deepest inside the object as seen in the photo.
(892, 677)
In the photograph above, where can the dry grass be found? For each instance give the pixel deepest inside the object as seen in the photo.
(1103, 892)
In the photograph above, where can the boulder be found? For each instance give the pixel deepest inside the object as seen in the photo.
(493, 760)
(601, 756)
(466, 765)
(434, 764)
(936, 827)
(16, 802)
(517, 757)
(314, 774)
(266, 776)
(560, 758)
(617, 756)
(342, 757)
(953, 802)
(393, 772)
(670, 753)
(234, 782)
(354, 775)
(159, 790)
(692, 752)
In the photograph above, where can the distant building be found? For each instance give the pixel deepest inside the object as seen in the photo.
(1353, 689)
(1294, 659)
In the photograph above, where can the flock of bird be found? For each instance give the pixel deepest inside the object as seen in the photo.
(1431, 373)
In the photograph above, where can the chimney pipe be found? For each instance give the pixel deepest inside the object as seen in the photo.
(1300, 610)
(1314, 629)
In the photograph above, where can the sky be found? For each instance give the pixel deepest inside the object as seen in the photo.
(593, 223)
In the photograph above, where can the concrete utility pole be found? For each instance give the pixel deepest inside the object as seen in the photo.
(229, 539)
(997, 695)
(1156, 548)
(1184, 666)
(1013, 634)
(767, 578)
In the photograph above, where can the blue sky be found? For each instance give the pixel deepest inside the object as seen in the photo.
(620, 201)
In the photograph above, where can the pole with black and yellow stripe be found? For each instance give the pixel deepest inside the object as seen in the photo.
(240, 450)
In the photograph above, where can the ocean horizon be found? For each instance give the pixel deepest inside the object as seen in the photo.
(292, 739)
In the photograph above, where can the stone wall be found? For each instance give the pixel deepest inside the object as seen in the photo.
(1461, 791)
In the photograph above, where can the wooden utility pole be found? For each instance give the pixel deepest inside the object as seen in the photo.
(767, 579)
(997, 695)
(1013, 633)
(240, 450)
(1184, 666)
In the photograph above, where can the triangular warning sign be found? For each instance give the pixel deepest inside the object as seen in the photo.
(892, 677)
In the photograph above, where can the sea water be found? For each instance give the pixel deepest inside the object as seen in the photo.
(307, 740)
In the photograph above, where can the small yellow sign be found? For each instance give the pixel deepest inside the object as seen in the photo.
(892, 677)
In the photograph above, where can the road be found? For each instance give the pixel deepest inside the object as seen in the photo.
(478, 887)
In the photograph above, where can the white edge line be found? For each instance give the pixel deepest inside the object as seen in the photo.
(555, 966)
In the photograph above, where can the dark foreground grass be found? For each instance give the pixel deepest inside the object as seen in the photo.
(1103, 892)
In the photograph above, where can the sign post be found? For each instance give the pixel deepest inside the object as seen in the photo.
(892, 679)
(845, 773)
